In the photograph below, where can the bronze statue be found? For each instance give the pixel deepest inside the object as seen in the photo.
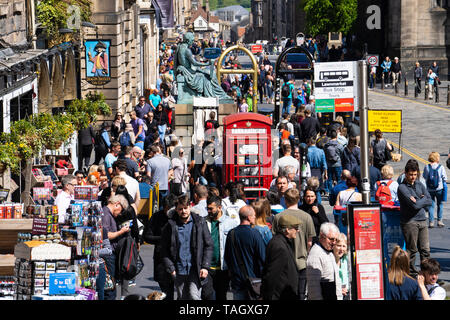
(195, 79)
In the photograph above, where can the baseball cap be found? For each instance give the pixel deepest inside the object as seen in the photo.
(288, 221)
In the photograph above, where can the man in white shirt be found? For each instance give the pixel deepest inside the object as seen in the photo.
(132, 186)
(322, 272)
(63, 199)
(286, 160)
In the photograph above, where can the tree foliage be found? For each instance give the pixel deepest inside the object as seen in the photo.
(53, 14)
(323, 16)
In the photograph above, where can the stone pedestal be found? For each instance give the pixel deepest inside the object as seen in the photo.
(184, 120)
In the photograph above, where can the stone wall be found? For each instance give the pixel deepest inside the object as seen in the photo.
(13, 21)
(117, 21)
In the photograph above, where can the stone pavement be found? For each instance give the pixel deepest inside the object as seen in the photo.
(424, 129)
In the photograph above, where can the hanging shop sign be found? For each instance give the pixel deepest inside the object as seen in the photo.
(98, 68)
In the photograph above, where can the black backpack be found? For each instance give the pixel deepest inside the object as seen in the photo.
(285, 91)
(129, 263)
(100, 142)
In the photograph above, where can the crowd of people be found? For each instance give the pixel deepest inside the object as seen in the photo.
(210, 239)
(391, 73)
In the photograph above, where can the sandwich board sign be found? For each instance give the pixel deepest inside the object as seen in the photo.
(335, 86)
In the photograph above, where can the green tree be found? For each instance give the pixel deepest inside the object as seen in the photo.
(323, 16)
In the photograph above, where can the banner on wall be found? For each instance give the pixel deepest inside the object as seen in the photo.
(164, 13)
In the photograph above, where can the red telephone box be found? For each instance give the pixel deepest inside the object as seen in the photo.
(247, 146)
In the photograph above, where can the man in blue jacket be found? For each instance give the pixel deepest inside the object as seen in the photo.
(250, 245)
(414, 199)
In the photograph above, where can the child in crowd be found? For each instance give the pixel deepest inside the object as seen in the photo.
(427, 280)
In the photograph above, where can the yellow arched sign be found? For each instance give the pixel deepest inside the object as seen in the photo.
(221, 71)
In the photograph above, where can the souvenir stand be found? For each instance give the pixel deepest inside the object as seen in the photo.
(12, 221)
(54, 276)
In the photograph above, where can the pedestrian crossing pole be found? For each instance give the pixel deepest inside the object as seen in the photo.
(363, 113)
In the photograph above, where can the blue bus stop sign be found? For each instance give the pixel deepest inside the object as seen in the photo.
(212, 53)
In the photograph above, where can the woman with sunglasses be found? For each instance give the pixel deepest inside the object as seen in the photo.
(117, 126)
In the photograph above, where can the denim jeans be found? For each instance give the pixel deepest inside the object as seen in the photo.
(334, 174)
(100, 282)
(188, 287)
(240, 294)
(162, 132)
(436, 196)
(111, 265)
(417, 240)
(287, 104)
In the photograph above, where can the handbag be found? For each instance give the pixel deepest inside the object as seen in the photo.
(110, 284)
(253, 284)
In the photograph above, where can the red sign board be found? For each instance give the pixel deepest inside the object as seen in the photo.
(344, 105)
(257, 48)
(368, 253)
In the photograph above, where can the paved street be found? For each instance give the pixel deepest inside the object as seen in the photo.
(424, 129)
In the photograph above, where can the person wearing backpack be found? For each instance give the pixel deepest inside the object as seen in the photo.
(127, 137)
(387, 188)
(380, 149)
(436, 181)
(186, 250)
(287, 94)
(351, 157)
(233, 202)
(333, 154)
(102, 144)
(138, 129)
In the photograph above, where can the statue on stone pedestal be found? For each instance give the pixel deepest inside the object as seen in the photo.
(195, 79)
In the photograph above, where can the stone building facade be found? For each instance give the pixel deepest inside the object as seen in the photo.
(134, 36)
(413, 30)
(272, 19)
(19, 65)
